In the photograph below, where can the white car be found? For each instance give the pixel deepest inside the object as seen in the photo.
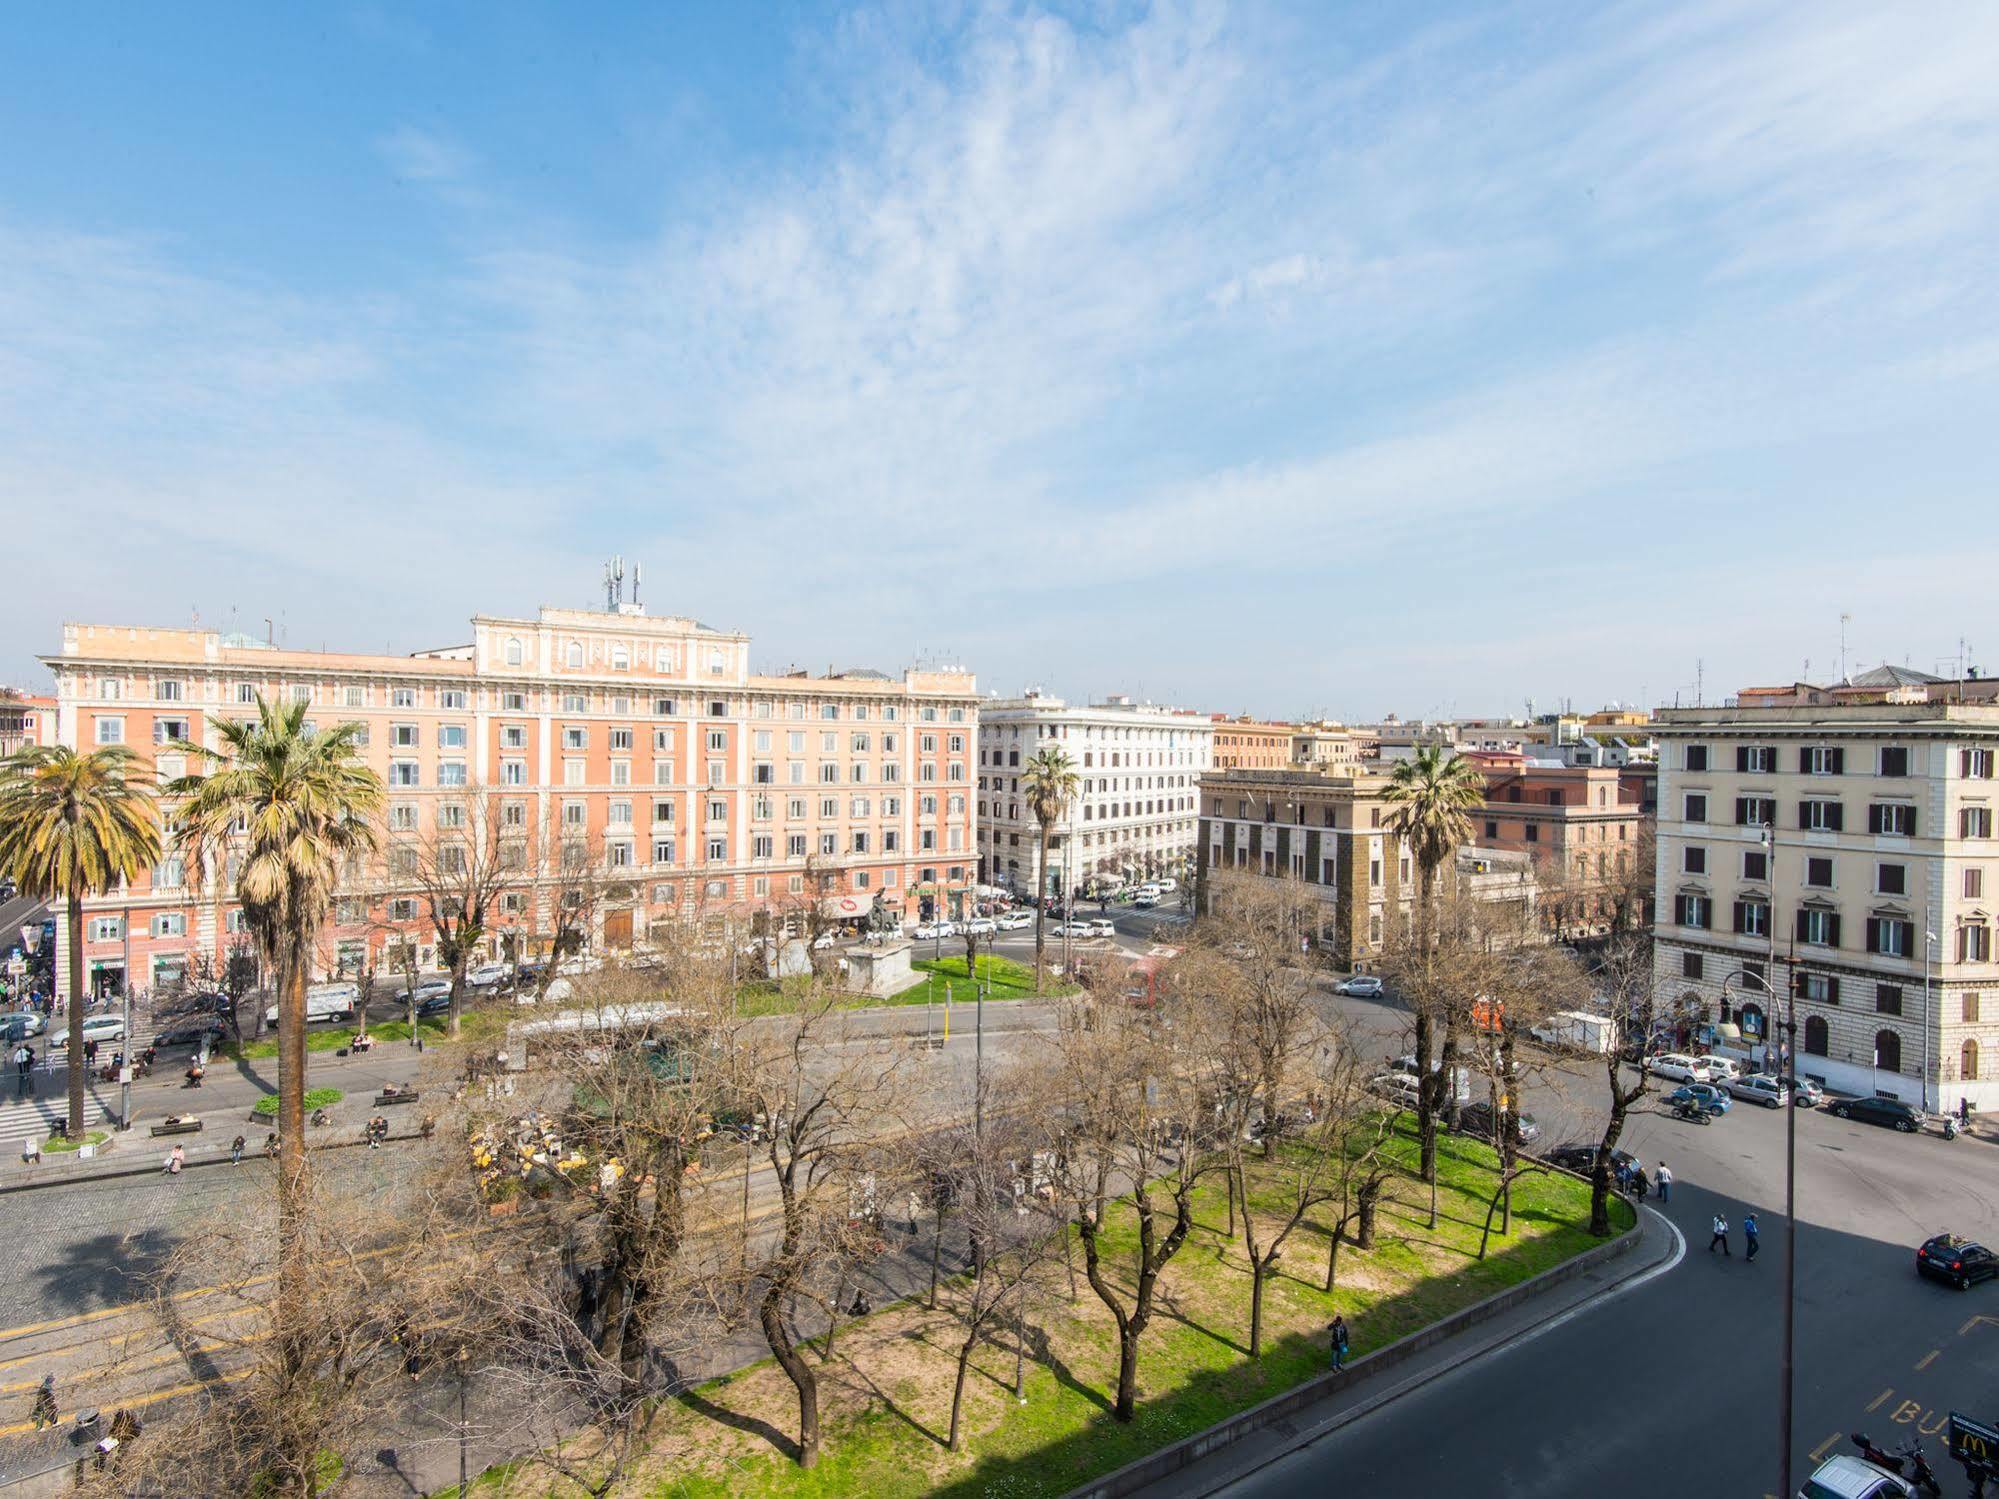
(489, 975)
(1167, 886)
(1756, 1088)
(30, 1022)
(1013, 921)
(1102, 926)
(1073, 929)
(1361, 986)
(1849, 1478)
(927, 931)
(1397, 1087)
(1680, 1067)
(981, 926)
(98, 1028)
(1722, 1070)
(1146, 898)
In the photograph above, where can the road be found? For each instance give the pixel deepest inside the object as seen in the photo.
(1673, 1388)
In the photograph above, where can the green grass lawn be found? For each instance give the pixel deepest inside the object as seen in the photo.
(474, 1025)
(58, 1144)
(315, 1098)
(885, 1396)
(940, 979)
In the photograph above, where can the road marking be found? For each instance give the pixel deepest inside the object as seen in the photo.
(139, 1402)
(1817, 1454)
(1880, 1400)
(1978, 1318)
(1928, 1359)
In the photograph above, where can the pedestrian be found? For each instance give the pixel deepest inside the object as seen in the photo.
(1337, 1333)
(24, 1063)
(45, 1402)
(236, 1151)
(1720, 1238)
(89, 1050)
(1749, 1236)
(1639, 1184)
(176, 1158)
(1664, 1180)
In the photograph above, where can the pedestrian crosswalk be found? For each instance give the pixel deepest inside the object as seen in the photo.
(30, 1118)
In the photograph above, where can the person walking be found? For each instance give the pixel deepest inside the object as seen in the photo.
(1720, 1238)
(1337, 1329)
(176, 1158)
(1750, 1243)
(45, 1402)
(236, 1151)
(24, 1071)
(1664, 1179)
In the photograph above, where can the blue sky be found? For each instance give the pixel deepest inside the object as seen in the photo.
(1285, 358)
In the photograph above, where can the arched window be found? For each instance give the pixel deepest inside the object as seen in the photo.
(1967, 1062)
(1816, 1037)
(575, 655)
(514, 654)
(1888, 1051)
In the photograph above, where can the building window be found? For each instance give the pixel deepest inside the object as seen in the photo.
(451, 736)
(451, 772)
(1888, 1050)
(513, 772)
(451, 698)
(1975, 764)
(1818, 927)
(1967, 1062)
(575, 737)
(1755, 759)
(1694, 859)
(1755, 811)
(1817, 1035)
(1891, 879)
(514, 702)
(107, 928)
(403, 773)
(1818, 873)
(1755, 865)
(402, 697)
(1971, 1009)
(1818, 760)
(1894, 760)
(1897, 819)
(718, 850)
(1819, 988)
(1693, 910)
(110, 731)
(1974, 884)
(1752, 918)
(1821, 816)
(1974, 942)
(1887, 999)
(1974, 822)
(1696, 808)
(1696, 757)
(515, 655)
(170, 924)
(1690, 965)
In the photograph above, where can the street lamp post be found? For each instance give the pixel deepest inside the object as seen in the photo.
(1790, 1177)
(1929, 958)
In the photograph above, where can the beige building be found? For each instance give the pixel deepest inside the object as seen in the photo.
(1325, 746)
(1876, 887)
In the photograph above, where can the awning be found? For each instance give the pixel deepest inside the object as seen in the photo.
(846, 907)
(891, 898)
(1728, 1031)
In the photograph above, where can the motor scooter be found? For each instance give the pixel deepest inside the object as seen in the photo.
(1911, 1452)
(1693, 1113)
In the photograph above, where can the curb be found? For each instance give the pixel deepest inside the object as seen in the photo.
(1143, 1472)
(217, 1156)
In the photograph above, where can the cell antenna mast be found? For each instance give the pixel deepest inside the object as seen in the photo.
(1844, 621)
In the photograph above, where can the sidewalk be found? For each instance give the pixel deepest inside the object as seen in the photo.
(1378, 1379)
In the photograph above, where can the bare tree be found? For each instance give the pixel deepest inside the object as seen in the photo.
(1119, 1109)
(459, 866)
(1624, 978)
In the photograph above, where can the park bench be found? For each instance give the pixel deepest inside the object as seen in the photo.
(177, 1126)
(395, 1095)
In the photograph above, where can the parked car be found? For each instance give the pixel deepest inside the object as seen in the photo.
(1167, 885)
(1889, 1113)
(432, 987)
(94, 1028)
(1701, 1095)
(927, 931)
(193, 1033)
(433, 1004)
(1103, 926)
(1758, 1088)
(1720, 1069)
(1476, 1119)
(1360, 986)
(1956, 1261)
(1809, 1094)
(980, 926)
(1849, 1478)
(1581, 1159)
(28, 1022)
(1680, 1067)
(489, 975)
(1014, 921)
(1146, 898)
(1074, 929)
(1396, 1087)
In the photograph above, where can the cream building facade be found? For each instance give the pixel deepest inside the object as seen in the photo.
(1877, 886)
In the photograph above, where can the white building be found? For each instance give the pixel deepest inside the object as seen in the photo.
(1136, 811)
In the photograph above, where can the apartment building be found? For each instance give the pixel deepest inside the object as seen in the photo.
(25, 719)
(1328, 830)
(1874, 893)
(1250, 744)
(1324, 746)
(643, 746)
(1577, 825)
(1134, 814)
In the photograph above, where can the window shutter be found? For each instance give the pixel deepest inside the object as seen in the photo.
(1801, 926)
(1909, 822)
(1873, 817)
(1832, 984)
(1740, 915)
(1873, 934)
(1839, 762)
(1836, 816)
(1741, 759)
(1804, 814)
(1832, 930)
(1805, 761)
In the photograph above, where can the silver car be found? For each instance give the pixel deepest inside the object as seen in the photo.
(1754, 1087)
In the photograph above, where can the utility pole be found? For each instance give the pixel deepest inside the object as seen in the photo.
(1929, 958)
(125, 1049)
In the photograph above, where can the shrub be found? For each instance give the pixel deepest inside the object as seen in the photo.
(315, 1098)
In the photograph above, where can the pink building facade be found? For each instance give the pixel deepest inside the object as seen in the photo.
(693, 789)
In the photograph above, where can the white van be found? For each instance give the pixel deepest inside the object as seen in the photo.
(1575, 1030)
(1167, 885)
(324, 1002)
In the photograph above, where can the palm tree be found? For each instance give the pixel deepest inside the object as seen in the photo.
(297, 804)
(1433, 795)
(1049, 781)
(72, 826)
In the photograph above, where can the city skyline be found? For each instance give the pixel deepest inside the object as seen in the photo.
(1232, 357)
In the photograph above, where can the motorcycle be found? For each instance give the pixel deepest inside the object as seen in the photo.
(1920, 1473)
(1693, 1113)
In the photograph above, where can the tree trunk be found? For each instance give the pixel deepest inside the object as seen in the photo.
(292, 1332)
(770, 1313)
(1127, 1376)
(958, 1387)
(1333, 1250)
(936, 1252)
(458, 956)
(1256, 1272)
(833, 1322)
(1364, 1232)
(1041, 915)
(78, 1068)
(1426, 1097)
(1230, 1175)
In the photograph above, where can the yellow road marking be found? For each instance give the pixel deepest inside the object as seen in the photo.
(140, 1402)
(1818, 1453)
(1879, 1401)
(1975, 1320)
(1927, 1359)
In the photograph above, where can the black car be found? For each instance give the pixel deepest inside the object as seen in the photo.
(1581, 1159)
(1889, 1113)
(437, 1004)
(1476, 1119)
(1956, 1261)
(193, 1033)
